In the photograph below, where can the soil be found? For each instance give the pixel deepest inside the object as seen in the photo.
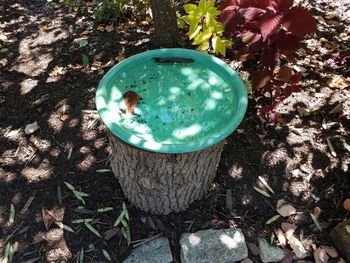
(42, 79)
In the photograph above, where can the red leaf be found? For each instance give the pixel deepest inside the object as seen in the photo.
(244, 54)
(286, 41)
(251, 13)
(254, 3)
(273, 115)
(261, 78)
(48, 217)
(283, 5)
(230, 19)
(299, 21)
(252, 26)
(284, 73)
(294, 79)
(290, 89)
(229, 4)
(269, 57)
(256, 44)
(269, 24)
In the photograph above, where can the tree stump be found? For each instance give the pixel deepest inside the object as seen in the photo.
(163, 183)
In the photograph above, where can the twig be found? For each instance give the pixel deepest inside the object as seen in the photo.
(8, 237)
(146, 240)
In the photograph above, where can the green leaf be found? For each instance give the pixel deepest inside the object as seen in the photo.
(84, 220)
(12, 214)
(272, 219)
(126, 212)
(316, 221)
(261, 191)
(190, 8)
(85, 60)
(83, 43)
(7, 252)
(104, 209)
(103, 170)
(202, 37)
(120, 217)
(201, 7)
(80, 199)
(92, 229)
(78, 193)
(126, 234)
(203, 47)
(70, 187)
(194, 29)
(181, 22)
(263, 181)
(65, 227)
(106, 254)
(124, 223)
(81, 255)
(219, 45)
(4, 50)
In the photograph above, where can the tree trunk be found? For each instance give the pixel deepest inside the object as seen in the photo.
(163, 183)
(165, 23)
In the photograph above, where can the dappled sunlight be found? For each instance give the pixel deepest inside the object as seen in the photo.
(55, 122)
(231, 242)
(7, 176)
(236, 172)
(27, 85)
(34, 174)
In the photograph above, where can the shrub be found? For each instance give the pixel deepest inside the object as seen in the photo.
(204, 29)
(270, 31)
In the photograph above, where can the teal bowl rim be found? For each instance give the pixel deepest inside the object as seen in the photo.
(197, 145)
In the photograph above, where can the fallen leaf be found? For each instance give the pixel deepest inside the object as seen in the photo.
(109, 28)
(288, 229)
(85, 60)
(31, 128)
(346, 204)
(331, 15)
(3, 50)
(101, 28)
(338, 82)
(43, 27)
(285, 73)
(131, 99)
(331, 148)
(320, 256)
(285, 209)
(64, 117)
(263, 181)
(27, 204)
(338, 108)
(316, 222)
(106, 255)
(317, 212)
(3, 37)
(272, 219)
(83, 43)
(12, 214)
(300, 111)
(48, 217)
(331, 251)
(111, 233)
(261, 191)
(280, 236)
(65, 227)
(297, 247)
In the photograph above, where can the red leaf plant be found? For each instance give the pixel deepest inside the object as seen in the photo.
(272, 30)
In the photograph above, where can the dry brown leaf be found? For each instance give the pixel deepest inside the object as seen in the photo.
(111, 233)
(109, 28)
(101, 28)
(281, 238)
(288, 229)
(346, 204)
(331, 15)
(64, 117)
(338, 108)
(317, 212)
(284, 73)
(331, 251)
(320, 256)
(27, 205)
(48, 217)
(338, 82)
(285, 209)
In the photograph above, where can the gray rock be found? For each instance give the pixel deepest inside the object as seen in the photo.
(219, 246)
(269, 253)
(155, 251)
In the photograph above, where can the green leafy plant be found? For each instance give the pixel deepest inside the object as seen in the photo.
(204, 29)
(269, 30)
(123, 219)
(112, 10)
(79, 195)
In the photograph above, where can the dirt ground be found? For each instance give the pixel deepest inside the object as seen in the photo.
(42, 79)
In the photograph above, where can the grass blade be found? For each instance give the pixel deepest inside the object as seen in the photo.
(331, 148)
(126, 234)
(120, 217)
(106, 254)
(65, 227)
(81, 194)
(263, 181)
(104, 209)
(12, 214)
(92, 229)
(81, 255)
(80, 221)
(70, 187)
(103, 170)
(272, 219)
(126, 212)
(316, 221)
(260, 191)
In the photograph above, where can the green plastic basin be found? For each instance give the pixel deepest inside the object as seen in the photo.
(189, 100)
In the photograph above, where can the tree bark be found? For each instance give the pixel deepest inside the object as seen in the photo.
(163, 183)
(165, 23)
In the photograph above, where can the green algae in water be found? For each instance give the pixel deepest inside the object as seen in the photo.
(180, 102)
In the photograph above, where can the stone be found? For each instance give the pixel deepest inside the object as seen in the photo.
(297, 247)
(155, 251)
(219, 246)
(31, 128)
(269, 253)
(253, 248)
(340, 235)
